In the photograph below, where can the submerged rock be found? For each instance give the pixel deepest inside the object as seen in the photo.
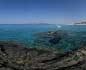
(50, 37)
(54, 40)
(15, 56)
(66, 40)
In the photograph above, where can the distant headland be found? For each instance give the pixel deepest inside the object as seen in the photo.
(80, 23)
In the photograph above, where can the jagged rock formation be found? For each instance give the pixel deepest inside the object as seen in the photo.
(15, 56)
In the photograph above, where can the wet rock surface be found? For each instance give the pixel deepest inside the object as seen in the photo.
(15, 56)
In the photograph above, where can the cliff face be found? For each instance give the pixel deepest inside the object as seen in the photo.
(14, 56)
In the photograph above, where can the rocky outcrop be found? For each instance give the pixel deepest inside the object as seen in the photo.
(15, 56)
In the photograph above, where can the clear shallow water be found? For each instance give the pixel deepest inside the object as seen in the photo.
(22, 33)
(25, 33)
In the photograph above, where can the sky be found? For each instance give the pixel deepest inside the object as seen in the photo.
(42, 11)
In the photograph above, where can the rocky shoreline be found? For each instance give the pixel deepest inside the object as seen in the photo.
(15, 56)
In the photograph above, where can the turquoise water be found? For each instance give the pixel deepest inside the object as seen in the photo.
(25, 33)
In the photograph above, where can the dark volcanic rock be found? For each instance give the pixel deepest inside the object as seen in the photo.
(14, 56)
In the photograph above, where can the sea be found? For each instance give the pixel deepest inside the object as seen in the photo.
(25, 33)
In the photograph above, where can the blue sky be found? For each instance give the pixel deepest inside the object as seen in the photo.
(42, 11)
